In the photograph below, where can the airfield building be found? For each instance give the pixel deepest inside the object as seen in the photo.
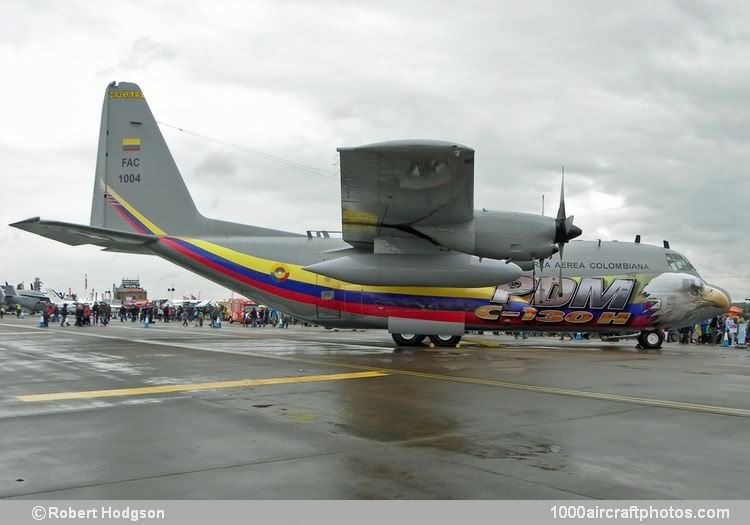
(129, 291)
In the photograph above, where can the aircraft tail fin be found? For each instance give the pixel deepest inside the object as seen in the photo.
(138, 188)
(7, 290)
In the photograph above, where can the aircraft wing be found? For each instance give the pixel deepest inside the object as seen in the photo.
(77, 234)
(395, 185)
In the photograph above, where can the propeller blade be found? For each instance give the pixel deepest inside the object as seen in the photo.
(565, 230)
(561, 209)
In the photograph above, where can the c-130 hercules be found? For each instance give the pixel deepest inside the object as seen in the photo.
(415, 257)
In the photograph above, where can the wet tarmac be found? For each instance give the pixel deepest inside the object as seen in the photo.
(172, 412)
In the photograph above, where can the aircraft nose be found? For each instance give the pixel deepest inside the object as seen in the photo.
(717, 297)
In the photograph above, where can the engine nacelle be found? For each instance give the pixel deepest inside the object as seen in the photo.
(499, 235)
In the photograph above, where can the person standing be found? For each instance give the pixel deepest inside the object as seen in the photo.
(64, 315)
(715, 330)
(105, 313)
(79, 314)
(730, 326)
(704, 331)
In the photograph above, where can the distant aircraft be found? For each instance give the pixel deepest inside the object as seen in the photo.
(31, 300)
(415, 257)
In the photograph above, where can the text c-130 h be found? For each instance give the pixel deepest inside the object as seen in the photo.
(415, 257)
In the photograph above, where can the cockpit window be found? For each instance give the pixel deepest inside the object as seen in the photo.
(677, 263)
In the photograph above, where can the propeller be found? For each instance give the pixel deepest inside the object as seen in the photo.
(565, 230)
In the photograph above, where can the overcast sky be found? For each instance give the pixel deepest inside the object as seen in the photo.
(645, 105)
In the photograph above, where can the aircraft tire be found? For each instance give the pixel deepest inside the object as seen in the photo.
(445, 340)
(651, 339)
(407, 339)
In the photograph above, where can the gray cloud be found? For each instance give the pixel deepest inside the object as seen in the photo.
(145, 52)
(219, 165)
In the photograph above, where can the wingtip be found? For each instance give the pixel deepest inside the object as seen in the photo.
(24, 222)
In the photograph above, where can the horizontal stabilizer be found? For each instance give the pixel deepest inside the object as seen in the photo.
(77, 234)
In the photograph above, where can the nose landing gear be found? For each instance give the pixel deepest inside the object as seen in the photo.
(650, 340)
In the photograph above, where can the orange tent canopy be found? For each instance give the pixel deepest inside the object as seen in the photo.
(736, 310)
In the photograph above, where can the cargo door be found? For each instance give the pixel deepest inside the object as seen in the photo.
(337, 300)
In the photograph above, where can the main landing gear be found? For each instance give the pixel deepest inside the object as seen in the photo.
(408, 339)
(416, 339)
(445, 340)
(650, 340)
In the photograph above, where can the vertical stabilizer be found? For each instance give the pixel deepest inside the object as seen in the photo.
(138, 187)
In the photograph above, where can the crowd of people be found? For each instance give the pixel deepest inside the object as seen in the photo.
(101, 313)
(715, 331)
(264, 316)
(167, 313)
(98, 313)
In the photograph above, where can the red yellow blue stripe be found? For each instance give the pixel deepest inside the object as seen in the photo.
(132, 216)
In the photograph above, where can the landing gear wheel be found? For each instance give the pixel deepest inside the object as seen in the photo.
(407, 339)
(445, 340)
(651, 339)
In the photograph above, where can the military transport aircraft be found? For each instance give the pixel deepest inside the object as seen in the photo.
(31, 300)
(415, 257)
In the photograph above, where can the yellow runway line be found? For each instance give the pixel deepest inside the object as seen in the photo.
(380, 371)
(216, 385)
(24, 333)
(601, 396)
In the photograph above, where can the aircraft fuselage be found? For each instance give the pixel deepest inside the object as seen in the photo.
(607, 287)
